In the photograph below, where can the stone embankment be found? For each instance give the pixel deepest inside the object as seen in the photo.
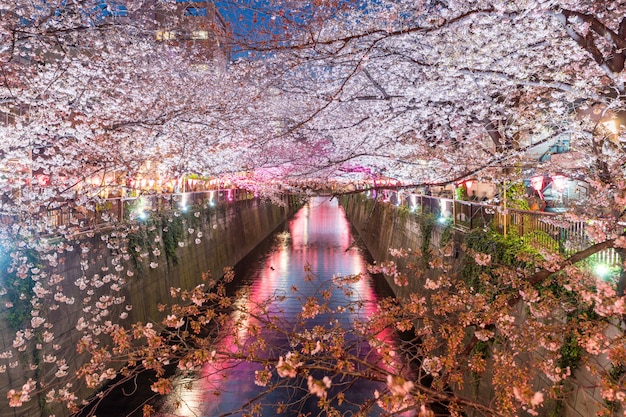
(210, 239)
(383, 225)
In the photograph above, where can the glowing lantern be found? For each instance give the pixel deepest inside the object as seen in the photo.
(559, 182)
(537, 183)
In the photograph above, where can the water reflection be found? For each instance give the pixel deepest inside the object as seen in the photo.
(316, 239)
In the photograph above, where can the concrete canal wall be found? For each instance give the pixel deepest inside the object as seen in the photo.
(210, 240)
(383, 225)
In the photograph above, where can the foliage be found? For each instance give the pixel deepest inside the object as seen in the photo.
(461, 192)
(141, 242)
(541, 240)
(403, 211)
(510, 250)
(447, 233)
(516, 196)
(18, 284)
(427, 222)
(571, 353)
(172, 226)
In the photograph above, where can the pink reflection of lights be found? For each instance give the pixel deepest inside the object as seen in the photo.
(323, 223)
(230, 194)
(319, 236)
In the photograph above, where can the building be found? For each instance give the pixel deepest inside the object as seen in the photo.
(196, 26)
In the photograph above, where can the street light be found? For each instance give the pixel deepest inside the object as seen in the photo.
(559, 182)
(612, 126)
(140, 211)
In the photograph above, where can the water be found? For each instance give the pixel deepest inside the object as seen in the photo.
(315, 245)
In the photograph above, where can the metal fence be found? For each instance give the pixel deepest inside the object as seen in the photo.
(115, 209)
(542, 229)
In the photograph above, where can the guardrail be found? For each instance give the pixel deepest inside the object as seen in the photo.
(109, 210)
(115, 209)
(543, 229)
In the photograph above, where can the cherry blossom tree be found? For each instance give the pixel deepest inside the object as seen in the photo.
(427, 92)
(437, 92)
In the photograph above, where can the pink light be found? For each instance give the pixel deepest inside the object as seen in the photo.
(469, 184)
(537, 183)
(559, 182)
(43, 179)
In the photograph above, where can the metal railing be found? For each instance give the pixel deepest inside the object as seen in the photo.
(111, 210)
(542, 229)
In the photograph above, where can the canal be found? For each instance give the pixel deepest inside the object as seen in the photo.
(298, 263)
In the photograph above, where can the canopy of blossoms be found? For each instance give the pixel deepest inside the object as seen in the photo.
(98, 103)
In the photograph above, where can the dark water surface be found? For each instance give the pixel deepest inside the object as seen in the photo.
(319, 239)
